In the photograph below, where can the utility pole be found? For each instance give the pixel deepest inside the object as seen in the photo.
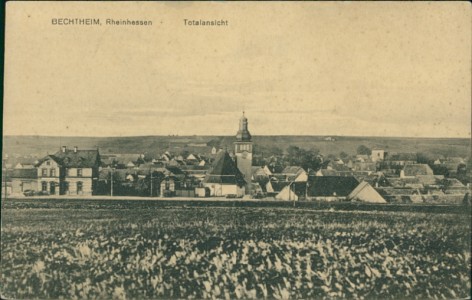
(151, 181)
(111, 191)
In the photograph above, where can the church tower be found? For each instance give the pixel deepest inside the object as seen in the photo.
(243, 152)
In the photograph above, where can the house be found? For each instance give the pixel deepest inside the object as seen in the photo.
(331, 187)
(224, 178)
(362, 158)
(128, 160)
(377, 155)
(452, 163)
(69, 172)
(287, 194)
(26, 163)
(294, 173)
(168, 187)
(23, 180)
(364, 192)
(364, 166)
(413, 170)
(401, 159)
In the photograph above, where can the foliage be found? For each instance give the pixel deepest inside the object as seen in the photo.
(364, 150)
(439, 170)
(307, 159)
(141, 253)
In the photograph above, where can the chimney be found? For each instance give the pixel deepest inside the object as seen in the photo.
(64, 149)
(75, 149)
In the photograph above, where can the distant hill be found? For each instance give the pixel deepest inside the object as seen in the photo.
(153, 145)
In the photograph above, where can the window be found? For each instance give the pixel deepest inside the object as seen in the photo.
(53, 172)
(79, 187)
(44, 186)
(79, 172)
(66, 187)
(44, 172)
(48, 163)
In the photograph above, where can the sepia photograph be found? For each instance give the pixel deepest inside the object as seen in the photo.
(236, 150)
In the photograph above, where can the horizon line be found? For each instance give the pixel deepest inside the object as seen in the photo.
(216, 135)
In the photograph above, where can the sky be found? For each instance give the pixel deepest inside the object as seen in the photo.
(329, 68)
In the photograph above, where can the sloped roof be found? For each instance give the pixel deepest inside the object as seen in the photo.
(453, 182)
(278, 186)
(340, 168)
(417, 169)
(326, 172)
(50, 156)
(365, 192)
(292, 170)
(224, 170)
(175, 170)
(325, 186)
(25, 173)
(75, 159)
(27, 160)
(428, 179)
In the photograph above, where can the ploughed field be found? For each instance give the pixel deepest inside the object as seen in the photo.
(138, 252)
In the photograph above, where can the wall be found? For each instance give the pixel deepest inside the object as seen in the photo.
(28, 184)
(86, 186)
(218, 190)
(86, 172)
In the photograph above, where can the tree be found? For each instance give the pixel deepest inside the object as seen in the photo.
(425, 158)
(363, 150)
(343, 155)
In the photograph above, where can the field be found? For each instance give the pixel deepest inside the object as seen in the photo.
(89, 250)
(154, 145)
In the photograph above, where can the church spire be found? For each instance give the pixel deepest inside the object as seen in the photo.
(243, 134)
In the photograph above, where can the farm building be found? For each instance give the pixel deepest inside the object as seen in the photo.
(364, 192)
(224, 178)
(295, 173)
(331, 188)
(23, 180)
(287, 194)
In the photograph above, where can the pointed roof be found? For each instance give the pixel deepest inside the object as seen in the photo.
(224, 170)
(417, 169)
(365, 192)
(327, 186)
(243, 134)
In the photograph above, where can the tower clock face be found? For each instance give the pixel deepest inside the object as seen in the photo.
(244, 154)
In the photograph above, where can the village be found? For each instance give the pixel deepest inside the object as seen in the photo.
(238, 172)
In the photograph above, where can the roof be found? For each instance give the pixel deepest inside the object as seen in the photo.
(417, 169)
(326, 172)
(408, 156)
(365, 192)
(292, 170)
(25, 173)
(50, 156)
(75, 159)
(340, 168)
(224, 170)
(277, 186)
(175, 170)
(325, 186)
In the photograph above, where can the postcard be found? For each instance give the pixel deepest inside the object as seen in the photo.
(236, 150)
